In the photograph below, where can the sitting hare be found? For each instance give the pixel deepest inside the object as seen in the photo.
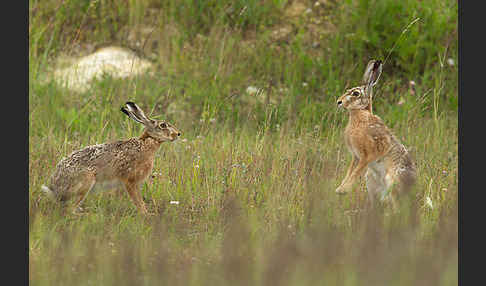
(373, 146)
(125, 163)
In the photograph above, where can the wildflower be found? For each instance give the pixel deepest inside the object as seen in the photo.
(411, 87)
(450, 62)
(251, 90)
(283, 90)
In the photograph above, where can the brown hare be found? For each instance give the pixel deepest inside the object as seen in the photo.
(373, 147)
(124, 163)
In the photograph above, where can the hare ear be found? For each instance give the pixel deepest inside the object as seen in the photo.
(372, 74)
(134, 112)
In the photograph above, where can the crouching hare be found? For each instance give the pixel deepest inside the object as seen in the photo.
(124, 163)
(373, 147)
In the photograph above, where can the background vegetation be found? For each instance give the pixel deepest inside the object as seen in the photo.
(254, 173)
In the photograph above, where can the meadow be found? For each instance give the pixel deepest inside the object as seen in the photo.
(252, 178)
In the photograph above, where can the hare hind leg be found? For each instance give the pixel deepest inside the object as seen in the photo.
(402, 185)
(375, 181)
(375, 185)
(74, 186)
(388, 195)
(85, 187)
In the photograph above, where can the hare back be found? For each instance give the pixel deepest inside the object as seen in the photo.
(109, 155)
(399, 158)
(400, 166)
(404, 166)
(130, 159)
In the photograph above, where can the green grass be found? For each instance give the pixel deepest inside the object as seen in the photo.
(255, 178)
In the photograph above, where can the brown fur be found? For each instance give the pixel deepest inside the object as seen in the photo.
(374, 149)
(128, 163)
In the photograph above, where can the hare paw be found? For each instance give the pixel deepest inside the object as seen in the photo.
(341, 190)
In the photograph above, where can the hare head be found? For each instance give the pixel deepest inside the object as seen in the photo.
(360, 97)
(158, 129)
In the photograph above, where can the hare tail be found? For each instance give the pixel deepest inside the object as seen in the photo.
(48, 192)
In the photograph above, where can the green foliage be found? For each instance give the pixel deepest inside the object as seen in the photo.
(374, 27)
(201, 16)
(254, 173)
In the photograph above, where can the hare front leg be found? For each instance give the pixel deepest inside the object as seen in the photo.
(354, 174)
(352, 165)
(135, 197)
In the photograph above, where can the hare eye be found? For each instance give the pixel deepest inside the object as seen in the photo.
(355, 93)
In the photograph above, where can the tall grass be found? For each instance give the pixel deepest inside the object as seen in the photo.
(254, 175)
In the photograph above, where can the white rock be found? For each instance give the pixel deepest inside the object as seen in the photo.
(114, 61)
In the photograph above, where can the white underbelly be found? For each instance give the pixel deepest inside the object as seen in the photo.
(378, 168)
(102, 186)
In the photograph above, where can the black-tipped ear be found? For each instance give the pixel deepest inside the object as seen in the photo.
(137, 111)
(131, 105)
(125, 111)
(376, 72)
(134, 112)
(371, 76)
(372, 72)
